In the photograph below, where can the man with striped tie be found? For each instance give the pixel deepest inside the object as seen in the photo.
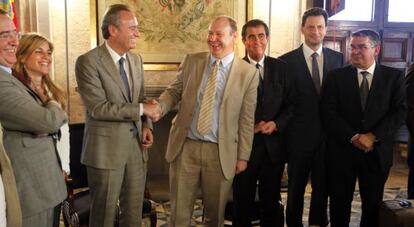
(212, 133)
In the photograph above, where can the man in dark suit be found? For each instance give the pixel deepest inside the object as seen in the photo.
(308, 66)
(363, 105)
(273, 110)
(117, 134)
(410, 126)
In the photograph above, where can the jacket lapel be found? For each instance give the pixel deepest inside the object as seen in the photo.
(200, 67)
(352, 76)
(302, 63)
(135, 77)
(375, 85)
(109, 65)
(231, 81)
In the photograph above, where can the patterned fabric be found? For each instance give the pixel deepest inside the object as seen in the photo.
(207, 104)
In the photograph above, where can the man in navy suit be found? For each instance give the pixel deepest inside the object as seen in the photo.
(363, 106)
(308, 66)
(273, 111)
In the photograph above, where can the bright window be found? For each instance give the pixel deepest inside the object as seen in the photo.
(356, 10)
(401, 11)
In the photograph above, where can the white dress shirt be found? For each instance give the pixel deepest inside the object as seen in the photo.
(307, 52)
(370, 75)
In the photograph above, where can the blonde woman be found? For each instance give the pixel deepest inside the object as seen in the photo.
(34, 58)
(32, 113)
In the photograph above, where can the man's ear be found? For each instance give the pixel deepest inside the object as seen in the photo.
(112, 30)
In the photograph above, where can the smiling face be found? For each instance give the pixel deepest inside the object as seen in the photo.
(314, 31)
(221, 38)
(39, 61)
(256, 42)
(8, 43)
(124, 36)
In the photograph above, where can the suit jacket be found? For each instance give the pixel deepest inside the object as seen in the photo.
(39, 178)
(113, 123)
(275, 105)
(305, 130)
(14, 214)
(384, 113)
(236, 111)
(410, 112)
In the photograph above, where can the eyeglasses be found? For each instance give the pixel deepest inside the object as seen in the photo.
(9, 35)
(260, 37)
(361, 47)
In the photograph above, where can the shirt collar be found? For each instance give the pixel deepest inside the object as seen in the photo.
(371, 69)
(224, 61)
(5, 68)
(114, 55)
(253, 62)
(307, 51)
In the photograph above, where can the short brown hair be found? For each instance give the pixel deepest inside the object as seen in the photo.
(315, 11)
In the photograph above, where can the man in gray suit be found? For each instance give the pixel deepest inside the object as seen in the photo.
(27, 125)
(117, 134)
(207, 156)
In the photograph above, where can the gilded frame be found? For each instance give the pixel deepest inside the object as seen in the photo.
(159, 61)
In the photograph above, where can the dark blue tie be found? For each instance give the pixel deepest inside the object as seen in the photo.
(124, 76)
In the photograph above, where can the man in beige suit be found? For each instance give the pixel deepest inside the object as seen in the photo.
(12, 210)
(209, 160)
(117, 134)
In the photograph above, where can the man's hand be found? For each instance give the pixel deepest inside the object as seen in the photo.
(269, 127)
(364, 142)
(152, 110)
(266, 128)
(258, 126)
(367, 140)
(241, 166)
(147, 138)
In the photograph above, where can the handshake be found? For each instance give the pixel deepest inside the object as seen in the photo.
(152, 109)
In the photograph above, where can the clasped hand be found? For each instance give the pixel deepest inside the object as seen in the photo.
(152, 110)
(266, 128)
(364, 142)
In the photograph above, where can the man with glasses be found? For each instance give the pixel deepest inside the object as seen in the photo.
(363, 106)
(308, 66)
(10, 212)
(273, 111)
(26, 124)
